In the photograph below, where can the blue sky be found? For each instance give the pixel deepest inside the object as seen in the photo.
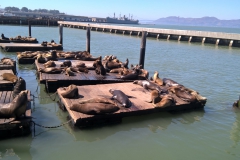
(140, 9)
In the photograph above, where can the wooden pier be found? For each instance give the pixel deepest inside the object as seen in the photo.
(139, 107)
(4, 84)
(18, 47)
(9, 67)
(217, 38)
(9, 125)
(54, 81)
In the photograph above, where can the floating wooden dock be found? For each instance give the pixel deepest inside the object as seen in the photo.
(9, 125)
(9, 67)
(54, 81)
(139, 107)
(4, 84)
(17, 41)
(17, 47)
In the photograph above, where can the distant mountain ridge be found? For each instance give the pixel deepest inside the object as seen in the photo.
(204, 21)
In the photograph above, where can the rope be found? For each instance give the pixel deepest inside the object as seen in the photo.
(39, 125)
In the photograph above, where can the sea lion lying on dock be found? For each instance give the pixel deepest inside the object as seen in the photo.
(52, 56)
(182, 93)
(19, 86)
(69, 72)
(66, 63)
(51, 70)
(95, 106)
(7, 61)
(49, 64)
(16, 108)
(169, 82)
(150, 85)
(9, 77)
(121, 97)
(70, 92)
(79, 69)
(162, 101)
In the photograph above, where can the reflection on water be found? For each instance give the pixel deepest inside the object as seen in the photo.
(154, 122)
(235, 132)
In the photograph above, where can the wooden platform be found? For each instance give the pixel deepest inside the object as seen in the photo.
(9, 67)
(17, 41)
(4, 84)
(8, 124)
(17, 47)
(54, 81)
(139, 107)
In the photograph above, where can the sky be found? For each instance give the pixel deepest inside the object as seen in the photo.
(138, 9)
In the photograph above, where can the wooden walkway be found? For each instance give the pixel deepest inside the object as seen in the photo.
(4, 84)
(54, 81)
(7, 124)
(17, 47)
(139, 107)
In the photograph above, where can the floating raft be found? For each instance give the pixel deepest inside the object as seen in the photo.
(54, 81)
(4, 84)
(17, 41)
(17, 47)
(139, 107)
(9, 67)
(11, 125)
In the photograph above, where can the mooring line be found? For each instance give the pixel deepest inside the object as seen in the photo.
(39, 125)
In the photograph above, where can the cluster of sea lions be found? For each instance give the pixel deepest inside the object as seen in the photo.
(166, 92)
(7, 61)
(20, 38)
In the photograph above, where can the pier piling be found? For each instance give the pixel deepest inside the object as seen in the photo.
(29, 29)
(88, 40)
(142, 49)
(61, 34)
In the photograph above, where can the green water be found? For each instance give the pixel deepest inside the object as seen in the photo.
(212, 133)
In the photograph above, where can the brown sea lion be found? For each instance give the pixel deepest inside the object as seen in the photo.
(121, 97)
(80, 64)
(98, 100)
(52, 56)
(237, 103)
(111, 65)
(94, 108)
(156, 78)
(49, 64)
(182, 93)
(70, 92)
(7, 61)
(66, 63)
(51, 70)
(16, 108)
(155, 97)
(149, 85)
(79, 69)
(99, 69)
(9, 77)
(166, 101)
(169, 82)
(116, 70)
(69, 72)
(19, 86)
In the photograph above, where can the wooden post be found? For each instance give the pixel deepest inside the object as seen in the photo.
(61, 34)
(88, 40)
(142, 49)
(29, 28)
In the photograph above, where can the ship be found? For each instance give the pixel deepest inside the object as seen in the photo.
(121, 20)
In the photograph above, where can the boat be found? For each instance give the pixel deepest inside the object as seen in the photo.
(121, 20)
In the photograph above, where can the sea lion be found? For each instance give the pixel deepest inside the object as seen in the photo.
(166, 101)
(99, 68)
(69, 72)
(111, 65)
(156, 78)
(131, 76)
(121, 97)
(7, 61)
(149, 85)
(19, 86)
(80, 64)
(79, 69)
(49, 64)
(98, 100)
(16, 108)
(237, 103)
(116, 70)
(94, 108)
(70, 92)
(66, 63)
(182, 93)
(52, 56)
(51, 70)
(9, 77)
(169, 82)
(125, 65)
(155, 97)
(41, 59)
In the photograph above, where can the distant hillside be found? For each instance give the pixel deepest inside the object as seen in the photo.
(204, 21)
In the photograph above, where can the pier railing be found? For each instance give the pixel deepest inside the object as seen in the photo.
(217, 38)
